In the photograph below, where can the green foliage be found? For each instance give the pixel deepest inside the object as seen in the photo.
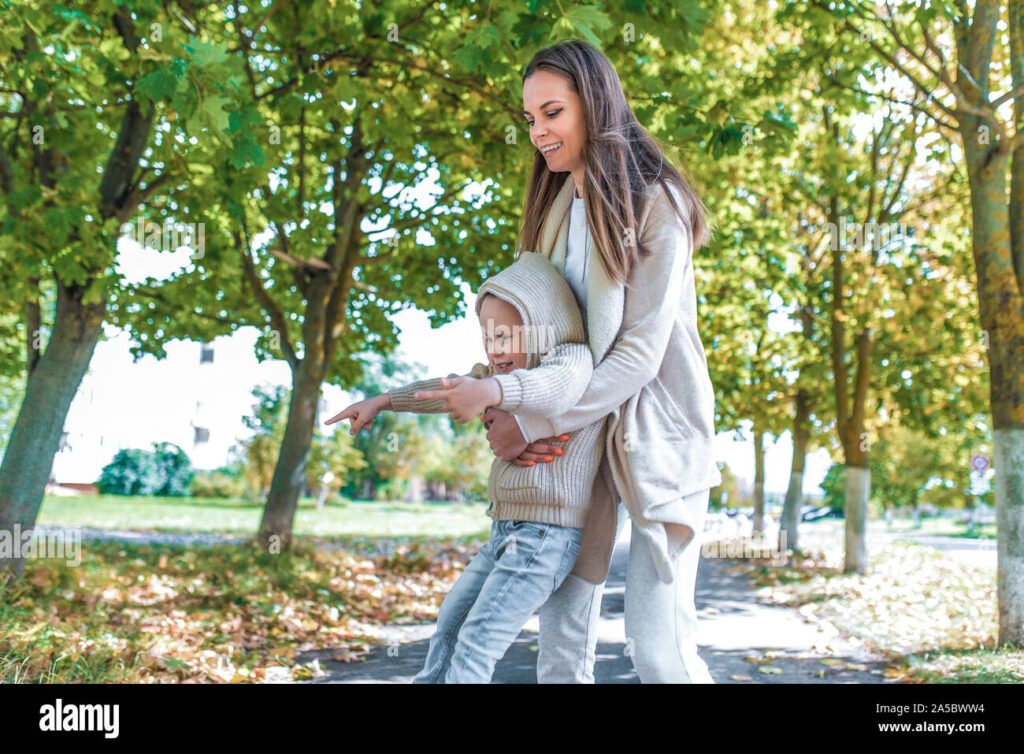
(285, 120)
(468, 464)
(834, 487)
(10, 398)
(174, 468)
(392, 489)
(257, 454)
(726, 489)
(78, 79)
(132, 472)
(164, 471)
(333, 454)
(317, 134)
(226, 482)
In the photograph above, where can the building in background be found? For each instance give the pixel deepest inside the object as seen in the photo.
(196, 398)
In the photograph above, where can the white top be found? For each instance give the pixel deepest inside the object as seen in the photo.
(576, 261)
(577, 253)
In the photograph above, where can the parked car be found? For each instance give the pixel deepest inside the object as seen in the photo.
(818, 513)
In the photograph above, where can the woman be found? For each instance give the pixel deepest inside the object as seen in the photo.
(620, 223)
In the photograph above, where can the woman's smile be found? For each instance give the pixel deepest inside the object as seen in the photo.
(549, 148)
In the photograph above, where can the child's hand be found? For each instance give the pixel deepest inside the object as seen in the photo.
(363, 413)
(465, 397)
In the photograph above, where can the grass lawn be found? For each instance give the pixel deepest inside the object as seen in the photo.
(938, 526)
(242, 517)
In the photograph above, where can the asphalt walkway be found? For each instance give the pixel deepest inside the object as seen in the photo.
(741, 639)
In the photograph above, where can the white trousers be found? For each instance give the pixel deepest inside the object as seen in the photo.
(661, 618)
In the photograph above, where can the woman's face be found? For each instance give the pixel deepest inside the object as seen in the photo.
(555, 115)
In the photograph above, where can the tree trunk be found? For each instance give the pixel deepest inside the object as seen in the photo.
(275, 532)
(788, 528)
(415, 491)
(1009, 462)
(850, 413)
(33, 325)
(1001, 310)
(54, 379)
(858, 489)
(758, 481)
(50, 389)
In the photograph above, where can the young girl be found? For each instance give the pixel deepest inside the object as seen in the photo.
(535, 343)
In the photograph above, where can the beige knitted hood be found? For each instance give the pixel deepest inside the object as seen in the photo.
(549, 310)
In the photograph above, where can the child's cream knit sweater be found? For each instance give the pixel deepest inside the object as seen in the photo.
(558, 370)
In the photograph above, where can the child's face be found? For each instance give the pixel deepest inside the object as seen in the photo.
(503, 335)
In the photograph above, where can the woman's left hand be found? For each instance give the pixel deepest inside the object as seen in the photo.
(465, 397)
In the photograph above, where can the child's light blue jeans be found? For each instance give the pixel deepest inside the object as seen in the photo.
(511, 576)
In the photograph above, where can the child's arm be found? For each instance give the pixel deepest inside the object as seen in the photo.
(403, 398)
(552, 387)
(365, 411)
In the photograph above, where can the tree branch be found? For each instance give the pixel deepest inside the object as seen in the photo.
(176, 305)
(269, 305)
(1012, 94)
(926, 91)
(939, 121)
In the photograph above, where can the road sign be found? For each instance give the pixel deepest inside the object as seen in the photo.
(979, 463)
(980, 483)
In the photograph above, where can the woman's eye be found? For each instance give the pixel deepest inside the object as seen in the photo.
(552, 114)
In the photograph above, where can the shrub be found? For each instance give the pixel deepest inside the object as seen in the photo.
(219, 484)
(392, 489)
(175, 469)
(164, 471)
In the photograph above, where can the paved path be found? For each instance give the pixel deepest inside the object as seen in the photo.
(737, 635)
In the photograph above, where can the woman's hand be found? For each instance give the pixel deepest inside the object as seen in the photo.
(465, 397)
(362, 414)
(508, 444)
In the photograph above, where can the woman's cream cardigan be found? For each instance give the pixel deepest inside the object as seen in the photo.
(650, 378)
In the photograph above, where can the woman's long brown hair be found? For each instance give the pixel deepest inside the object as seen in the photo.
(620, 158)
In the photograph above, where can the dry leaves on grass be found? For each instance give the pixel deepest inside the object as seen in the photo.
(913, 598)
(220, 614)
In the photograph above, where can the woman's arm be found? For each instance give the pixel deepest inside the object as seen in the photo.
(650, 307)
